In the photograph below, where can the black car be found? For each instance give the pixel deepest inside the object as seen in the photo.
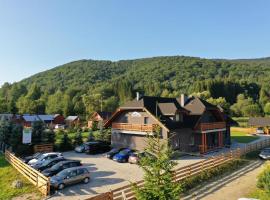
(61, 166)
(48, 163)
(28, 158)
(96, 147)
(112, 152)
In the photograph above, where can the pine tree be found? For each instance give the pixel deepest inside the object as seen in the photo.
(78, 139)
(65, 144)
(158, 172)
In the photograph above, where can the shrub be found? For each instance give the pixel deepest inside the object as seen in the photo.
(65, 143)
(78, 139)
(264, 180)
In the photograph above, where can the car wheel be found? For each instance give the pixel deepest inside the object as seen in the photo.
(86, 180)
(61, 186)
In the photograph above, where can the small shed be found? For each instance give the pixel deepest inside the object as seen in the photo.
(72, 121)
(260, 122)
(99, 117)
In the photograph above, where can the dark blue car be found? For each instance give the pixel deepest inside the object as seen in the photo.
(123, 155)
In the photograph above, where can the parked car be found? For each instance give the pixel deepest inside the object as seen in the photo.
(82, 148)
(135, 157)
(70, 176)
(61, 166)
(265, 154)
(123, 155)
(28, 158)
(112, 152)
(259, 131)
(96, 147)
(48, 163)
(44, 157)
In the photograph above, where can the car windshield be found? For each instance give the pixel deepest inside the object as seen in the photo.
(46, 163)
(41, 157)
(64, 173)
(57, 166)
(124, 152)
(37, 155)
(113, 150)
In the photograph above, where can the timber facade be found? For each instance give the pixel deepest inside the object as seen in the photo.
(188, 124)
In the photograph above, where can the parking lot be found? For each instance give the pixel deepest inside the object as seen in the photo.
(106, 175)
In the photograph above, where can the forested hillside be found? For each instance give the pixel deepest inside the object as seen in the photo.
(242, 87)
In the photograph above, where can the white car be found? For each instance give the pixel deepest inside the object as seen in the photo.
(44, 157)
(265, 154)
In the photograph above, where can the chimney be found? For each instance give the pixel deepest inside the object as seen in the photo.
(137, 96)
(183, 99)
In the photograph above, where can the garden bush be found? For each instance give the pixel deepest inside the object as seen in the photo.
(264, 180)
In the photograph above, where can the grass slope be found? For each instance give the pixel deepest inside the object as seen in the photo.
(7, 175)
(242, 137)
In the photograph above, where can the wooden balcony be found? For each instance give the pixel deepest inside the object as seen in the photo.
(211, 126)
(134, 127)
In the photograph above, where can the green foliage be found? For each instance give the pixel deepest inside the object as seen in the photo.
(193, 181)
(266, 108)
(245, 107)
(264, 180)
(84, 86)
(65, 143)
(158, 172)
(78, 140)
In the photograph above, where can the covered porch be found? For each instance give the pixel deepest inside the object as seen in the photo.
(211, 141)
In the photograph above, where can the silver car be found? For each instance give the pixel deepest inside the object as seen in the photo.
(70, 176)
(265, 154)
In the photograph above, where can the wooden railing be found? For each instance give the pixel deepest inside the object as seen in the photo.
(43, 148)
(134, 127)
(34, 176)
(126, 192)
(211, 126)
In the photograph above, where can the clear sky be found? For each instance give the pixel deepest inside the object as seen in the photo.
(36, 35)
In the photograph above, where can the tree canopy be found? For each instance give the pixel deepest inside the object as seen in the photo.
(84, 86)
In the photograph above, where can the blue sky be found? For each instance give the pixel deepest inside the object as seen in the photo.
(40, 34)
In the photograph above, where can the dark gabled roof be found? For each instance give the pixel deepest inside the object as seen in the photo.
(104, 115)
(197, 106)
(159, 107)
(167, 108)
(259, 121)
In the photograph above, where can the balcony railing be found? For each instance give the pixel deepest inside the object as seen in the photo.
(212, 126)
(134, 127)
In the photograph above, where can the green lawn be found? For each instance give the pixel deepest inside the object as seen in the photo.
(7, 175)
(242, 137)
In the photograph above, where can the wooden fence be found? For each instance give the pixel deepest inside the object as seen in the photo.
(34, 176)
(126, 192)
(43, 148)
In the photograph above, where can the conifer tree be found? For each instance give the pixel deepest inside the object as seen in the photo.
(158, 172)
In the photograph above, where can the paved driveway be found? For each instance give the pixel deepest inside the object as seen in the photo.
(106, 175)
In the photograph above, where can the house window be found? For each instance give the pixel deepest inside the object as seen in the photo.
(146, 120)
(179, 117)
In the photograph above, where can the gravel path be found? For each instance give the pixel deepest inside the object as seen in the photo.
(232, 186)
